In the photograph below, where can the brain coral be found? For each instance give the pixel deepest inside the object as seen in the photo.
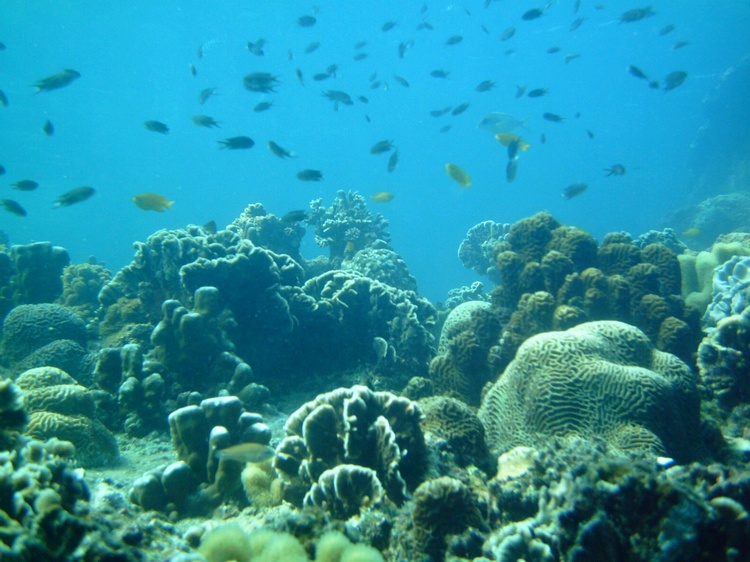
(596, 379)
(31, 326)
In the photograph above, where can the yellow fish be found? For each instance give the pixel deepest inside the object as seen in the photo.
(382, 197)
(247, 452)
(152, 202)
(350, 247)
(692, 232)
(506, 138)
(461, 177)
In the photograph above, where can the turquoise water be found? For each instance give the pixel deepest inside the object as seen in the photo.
(134, 59)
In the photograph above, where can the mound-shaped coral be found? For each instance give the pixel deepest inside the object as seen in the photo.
(29, 327)
(596, 379)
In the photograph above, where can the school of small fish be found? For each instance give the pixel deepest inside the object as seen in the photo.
(267, 86)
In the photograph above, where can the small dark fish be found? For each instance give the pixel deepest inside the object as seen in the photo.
(13, 207)
(520, 91)
(513, 147)
(393, 161)
(2, 46)
(636, 14)
(440, 112)
(320, 76)
(576, 23)
(74, 196)
(263, 106)
(486, 31)
(48, 128)
(511, 169)
(25, 185)
(205, 121)
(453, 40)
(237, 143)
(301, 78)
(331, 70)
(306, 21)
(446, 128)
(338, 96)
(312, 47)
(156, 127)
(362, 99)
(360, 56)
(654, 84)
(193, 70)
(57, 81)
(666, 30)
(553, 117)
(424, 24)
(210, 227)
(387, 26)
(553, 50)
(532, 14)
(485, 86)
(674, 79)
(262, 82)
(310, 175)
(401, 80)
(3, 99)
(571, 56)
(375, 85)
(257, 47)
(381, 146)
(637, 72)
(205, 94)
(2, 169)
(459, 109)
(360, 44)
(403, 47)
(574, 190)
(439, 73)
(615, 170)
(294, 216)
(277, 150)
(507, 34)
(679, 45)
(590, 134)
(537, 92)
(543, 138)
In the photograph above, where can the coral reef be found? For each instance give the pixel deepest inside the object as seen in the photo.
(596, 379)
(477, 249)
(37, 272)
(30, 327)
(346, 226)
(82, 284)
(379, 261)
(711, 217)
(61, 408)
(375, 430)
(267, 230)
(730, 291)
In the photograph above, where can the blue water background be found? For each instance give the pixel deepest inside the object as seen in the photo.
(134, 60)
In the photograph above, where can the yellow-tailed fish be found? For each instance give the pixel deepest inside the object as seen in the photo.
(506, 138)
(382, 197)
(247, 452)
(152, 202)
(455, 172)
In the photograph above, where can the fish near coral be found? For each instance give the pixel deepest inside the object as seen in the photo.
(73, 196)
(458, 175)
(382, 197)
(247, 452)
(152, 202)
(57, 81)
(13, 207)
(310, 175)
